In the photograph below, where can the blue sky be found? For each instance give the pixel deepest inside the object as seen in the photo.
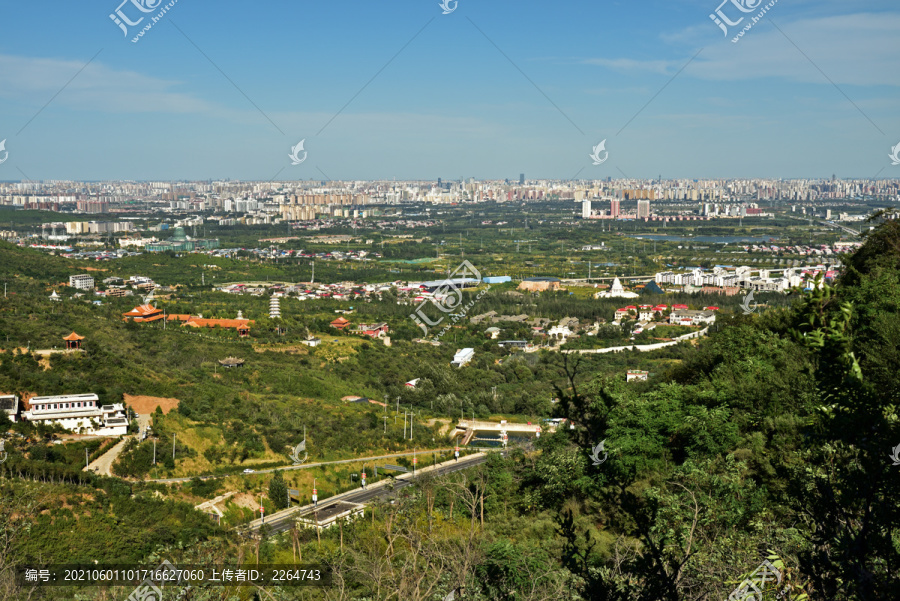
(820, 96)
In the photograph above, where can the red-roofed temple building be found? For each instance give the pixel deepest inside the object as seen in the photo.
(149, 313)
(144, 313)
(340, 323)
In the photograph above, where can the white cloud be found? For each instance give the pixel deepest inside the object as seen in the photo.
(858, 49)
(97, 87)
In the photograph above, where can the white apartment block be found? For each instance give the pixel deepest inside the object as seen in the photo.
(81, 282)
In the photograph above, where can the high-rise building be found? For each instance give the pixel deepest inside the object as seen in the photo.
(585, 209)
(643, 209)
(521, 179)
(615, 207)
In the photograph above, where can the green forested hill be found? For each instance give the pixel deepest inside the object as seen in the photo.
(771, 439)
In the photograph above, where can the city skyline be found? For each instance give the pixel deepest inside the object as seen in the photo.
(487, 92)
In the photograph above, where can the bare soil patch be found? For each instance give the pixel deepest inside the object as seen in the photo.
(145, 405)
(246, 500)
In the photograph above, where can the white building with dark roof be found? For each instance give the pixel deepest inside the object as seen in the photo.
(79, 413)
(684, 317)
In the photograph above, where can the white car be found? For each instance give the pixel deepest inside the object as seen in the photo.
(248, 471)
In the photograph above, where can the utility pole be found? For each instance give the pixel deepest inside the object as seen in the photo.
(385, 424)
(173, 446)
(404, 424)
(154, 451)
(86, 462)
(410, 425)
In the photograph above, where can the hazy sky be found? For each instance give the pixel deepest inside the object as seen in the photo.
(495, 88)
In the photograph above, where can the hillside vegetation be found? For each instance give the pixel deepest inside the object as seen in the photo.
(770, 439)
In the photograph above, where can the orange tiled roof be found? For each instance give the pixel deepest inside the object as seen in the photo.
(73, 337)
(142, 311)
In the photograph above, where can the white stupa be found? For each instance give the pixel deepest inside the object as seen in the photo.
(617, 291)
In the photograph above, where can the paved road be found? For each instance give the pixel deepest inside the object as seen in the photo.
(304, 466)
(849, 230)
(144, 421)
(281, 521)
(102, 465)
